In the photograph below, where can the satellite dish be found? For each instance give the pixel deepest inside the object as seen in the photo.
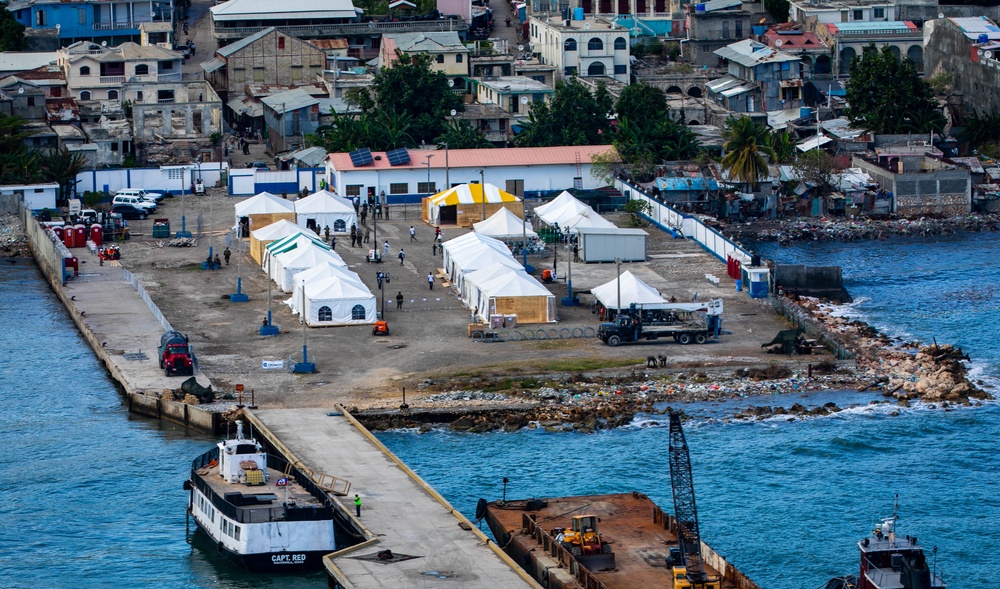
(988, 55)
(586, 26)
(524, 100)
(454, 112)
(451, 83)
(778, 43)
(104, 43)
(940, 15)
(371, 24)
(520, 47)
(979, 53)
(58, 26)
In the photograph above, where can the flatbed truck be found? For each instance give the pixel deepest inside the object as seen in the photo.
(684, 322)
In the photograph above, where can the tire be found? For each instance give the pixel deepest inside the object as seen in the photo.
(700, 338)
(684, 338)
(161, 363)
(577, 332)
(166, 371)
(589, 332)
(552, 334)
(564, 332)
(540, 334)
(516, 336)
(529, 335)
(614, 341)
(142, 216)
(477, 336)
(575, 551)
(676, 338)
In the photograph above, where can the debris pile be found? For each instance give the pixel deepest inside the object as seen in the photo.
(786, 231)
(13, 241)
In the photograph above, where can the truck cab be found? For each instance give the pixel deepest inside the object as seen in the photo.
(175, 354)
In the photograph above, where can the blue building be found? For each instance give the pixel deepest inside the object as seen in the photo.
(115, 21)
(289, 116)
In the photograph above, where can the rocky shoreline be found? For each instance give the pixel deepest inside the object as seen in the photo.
(787, 231)
(13, 241)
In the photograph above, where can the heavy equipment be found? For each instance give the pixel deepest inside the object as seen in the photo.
(688, 570)
(584, 541)
(684, 322)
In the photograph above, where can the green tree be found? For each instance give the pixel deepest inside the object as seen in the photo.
(886, 94)
(778, 9)
(781, 143)
(981, 129)
(635, 208)
(641, 103)
(746, 150)
(459, 134)
(816, 167)
(11, 33)
(361, 98)
(411, 87)
(573, 117)
(61, 166)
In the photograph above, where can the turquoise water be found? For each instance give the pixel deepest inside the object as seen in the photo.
(91, 497)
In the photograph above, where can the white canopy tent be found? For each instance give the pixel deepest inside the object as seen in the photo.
(335, 301)
(288, 243)
(470, 285)
(633, 290)
(555, 207)
(321, 271)
(288, 264)
(466, 246)
(586, 218)
(264, 203)
(325, 209)
(517, 293)
(261, 238)
(504, 224)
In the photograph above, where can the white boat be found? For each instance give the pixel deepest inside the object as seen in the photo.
(260, 512)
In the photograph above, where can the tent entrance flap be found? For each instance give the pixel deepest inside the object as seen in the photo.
(448, 215)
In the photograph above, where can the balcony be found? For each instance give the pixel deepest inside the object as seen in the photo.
(114, 80)
(120, 25)
(343, 29)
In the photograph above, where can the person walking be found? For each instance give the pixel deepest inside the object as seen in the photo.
(399, 300)
(430, 281)
(326, 233)
(357, 504)
(333, 243)
(402, 256)
(368, 234)
(413, 233)
(385, 249)
(434, 249)
(226, 255)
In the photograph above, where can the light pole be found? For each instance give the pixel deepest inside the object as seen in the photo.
(183, 232)
(239, 296)
(524, 236)
(618, 264)
(304, 367)
(482, 188)
(269, 328)
(427, 163)
(569, 300)
(447, 170)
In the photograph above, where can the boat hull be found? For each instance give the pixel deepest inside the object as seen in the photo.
(270, 562)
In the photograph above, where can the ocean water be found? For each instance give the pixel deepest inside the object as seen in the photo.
(89, 495)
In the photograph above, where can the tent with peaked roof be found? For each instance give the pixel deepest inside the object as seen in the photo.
(465, 246)
(320, 271)
(517, 293)
(325, 209)
(263, 209)
(261, 238)
(290, 242)
(569, 213)
(463, 205)
(586, 218)
(504, 224)
(286, 265)
(336, 301)
(553, 208)
(633, 290)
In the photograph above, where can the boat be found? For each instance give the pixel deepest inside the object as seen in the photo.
(889, 561)
(261, 512)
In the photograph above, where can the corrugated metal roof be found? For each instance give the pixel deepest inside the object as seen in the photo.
(265, 10)
(973, 26)
(750, 53)
(244, 42)
(443, 41)
(713, 5)
(212, 65)
(693, 183)
(290, 100)
(478, 158)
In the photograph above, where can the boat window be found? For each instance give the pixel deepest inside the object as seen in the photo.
(246, 449)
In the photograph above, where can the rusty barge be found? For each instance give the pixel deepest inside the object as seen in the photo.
(639, 533)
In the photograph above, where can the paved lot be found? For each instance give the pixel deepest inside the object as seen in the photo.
(429, 337)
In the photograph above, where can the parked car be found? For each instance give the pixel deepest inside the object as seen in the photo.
(135, 201)
(129, 211)
(259, 165)
(154, 197)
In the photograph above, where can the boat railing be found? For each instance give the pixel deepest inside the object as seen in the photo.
(567, 561)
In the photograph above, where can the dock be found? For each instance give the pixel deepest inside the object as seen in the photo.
(431, 542)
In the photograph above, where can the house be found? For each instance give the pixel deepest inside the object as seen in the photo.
(289, 116)
(12, 62)
(338, 54)
(495, 123)
(969, 49)
(807, 45)
(339, 83)
(174, 121)
(848, 40)
(449, 55)
(813, 12)
(522, 171)
(48, 78)
(160, 34)
(714, 24)
(920, 184)
(270, 56)
(97, 72)
(22, 99)
(237, 19)
(514, 94)
(591, 47)
(92, 20)
(760, 79)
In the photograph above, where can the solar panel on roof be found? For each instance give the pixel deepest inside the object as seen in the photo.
(361, 157)
(398, 157)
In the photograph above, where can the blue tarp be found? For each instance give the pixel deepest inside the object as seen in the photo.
(668, 184)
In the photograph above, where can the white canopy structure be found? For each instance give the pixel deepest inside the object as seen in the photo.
(461, 195)
(554, 208)
(288, 243)
(467, 245)
(262, 204)
(321, 271)
(633, 290)
(504, 224)
(261, 238)
(335, 301)
(586, 218)
(325, 209)
(516, 293)
(285, 266)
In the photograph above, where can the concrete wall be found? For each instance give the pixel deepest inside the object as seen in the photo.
(276, 58)
(154, 179)
(942, 191)
(811, 280)
(947, 48)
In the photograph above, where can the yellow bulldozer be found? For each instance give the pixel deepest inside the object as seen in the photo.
(584, 541)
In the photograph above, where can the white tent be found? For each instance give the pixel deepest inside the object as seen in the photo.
(554, 208)
(261, 238)
(325, 209)
(470, 286)
(587, 218)
(335, 301)
(504, 224)
(633, 290)
(517, 293)
(264, 203)
(288, 243)
(321, 271)
(467, 245)
(569, 213)
(287, 265)
(478, 259)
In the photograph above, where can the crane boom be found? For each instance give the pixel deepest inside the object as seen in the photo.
(685, 511)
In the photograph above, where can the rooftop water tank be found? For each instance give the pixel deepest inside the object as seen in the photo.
(699, 8)
(984, 38)
(578, 13)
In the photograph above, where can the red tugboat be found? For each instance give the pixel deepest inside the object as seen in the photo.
(890, 562)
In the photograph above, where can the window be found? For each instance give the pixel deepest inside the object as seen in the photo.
(31, 101)
(569, 45)
(85, 71)
(878, 13)
(166, 65)
(114, 146)
(81, 16)
(569, 71)
(237, 536)
(175, 173)
(281, 42)
(353, 190)
(142, 70)
(440, 58)
(595, 44)
(112, 95)
(85, 95)
(164, 95)
(596, 69)
(620, 44)
(426, 187)
(399, 188)
(296, 73)
(620, 70)
(325, 313)
(340, 226)
(258, 74)
(239, 75)
(358, 313)
(138, 96)
(859, 14)
(725, 29)
(458, 58)
(39, 18)
(739, 29)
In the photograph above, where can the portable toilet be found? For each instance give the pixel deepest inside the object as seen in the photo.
(59, 233)
(69, 236)
(81, 235)
(757, 282)
(97, 234)
(71, 262)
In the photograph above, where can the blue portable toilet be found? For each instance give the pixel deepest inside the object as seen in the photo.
(757, 282)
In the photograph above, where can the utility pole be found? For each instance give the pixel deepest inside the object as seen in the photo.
(482, 186)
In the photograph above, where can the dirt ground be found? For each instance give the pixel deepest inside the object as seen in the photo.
(428, 341)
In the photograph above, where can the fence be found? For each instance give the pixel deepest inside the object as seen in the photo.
(817, 330)
(175, 179)
(131, 279)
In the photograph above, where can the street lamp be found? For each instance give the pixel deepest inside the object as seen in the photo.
(269, 328)
(618, 264)
(304, 367)
(428, 164)
(184, 178)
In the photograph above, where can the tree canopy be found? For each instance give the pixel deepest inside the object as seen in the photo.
(22, 165)
(747, 144)
(641, 103)
(886, 95)
(411, 88)
(11, 33)
(575, 116)
(459, 134)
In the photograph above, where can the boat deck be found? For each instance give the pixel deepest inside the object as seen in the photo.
(292, 493)
(639, 533)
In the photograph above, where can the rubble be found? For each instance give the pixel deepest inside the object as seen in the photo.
(13, 241)
(840, 229)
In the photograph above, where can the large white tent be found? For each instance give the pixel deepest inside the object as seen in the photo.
(633, 290)
(261, 238)
(504, 224)
(264, 209)
(321, 271)
(335, 301)
(587, 218)
(287, 265)
(288, 243)
(325, 209)
(556, 207)
(517, 293)
(466, 246)
(470, 286)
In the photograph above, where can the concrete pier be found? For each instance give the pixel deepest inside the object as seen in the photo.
(399, 512)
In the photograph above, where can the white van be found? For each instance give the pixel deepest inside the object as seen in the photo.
(154, 197)
(135, 201)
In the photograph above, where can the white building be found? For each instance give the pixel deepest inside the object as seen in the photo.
(810, 12)
(522, 171)
(586, 48)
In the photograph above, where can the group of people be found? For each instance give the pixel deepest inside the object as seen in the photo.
(357, 238)
(109, 252)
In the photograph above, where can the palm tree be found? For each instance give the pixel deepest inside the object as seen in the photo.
(62, 167)
(781, 143)
(746, 149)
(984, 129)
(459, 134)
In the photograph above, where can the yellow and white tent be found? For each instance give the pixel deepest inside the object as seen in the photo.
(463, 205)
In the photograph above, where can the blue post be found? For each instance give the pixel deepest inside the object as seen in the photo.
(239, 297)
(270, 328)
(304, 367)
